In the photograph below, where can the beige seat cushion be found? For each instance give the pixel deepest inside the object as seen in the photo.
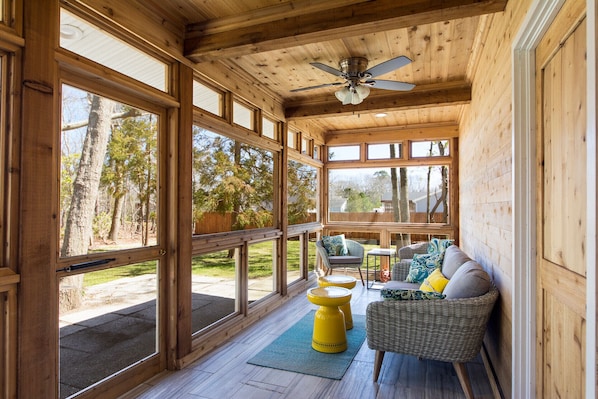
(401, 285)
(344, 260)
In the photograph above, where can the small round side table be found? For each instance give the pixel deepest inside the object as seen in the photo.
(339, 280)
(329, 334)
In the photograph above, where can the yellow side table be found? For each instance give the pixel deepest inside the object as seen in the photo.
(339, 280)
(329, 334)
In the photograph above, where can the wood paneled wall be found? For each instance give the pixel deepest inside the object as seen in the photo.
(485, 193)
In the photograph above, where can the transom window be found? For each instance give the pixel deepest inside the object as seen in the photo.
(91, 42)
(208, 99)
(421, 149)
(344, 153)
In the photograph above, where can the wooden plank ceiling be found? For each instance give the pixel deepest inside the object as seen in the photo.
(274, 42)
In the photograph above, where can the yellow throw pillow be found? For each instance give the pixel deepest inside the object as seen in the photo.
(435, 282)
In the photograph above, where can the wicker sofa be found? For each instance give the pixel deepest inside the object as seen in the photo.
(449, 329)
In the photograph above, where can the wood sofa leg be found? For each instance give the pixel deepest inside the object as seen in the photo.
(461, 370)
(361, 275)
(378, 364)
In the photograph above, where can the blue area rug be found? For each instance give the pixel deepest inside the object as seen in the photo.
(292, 350)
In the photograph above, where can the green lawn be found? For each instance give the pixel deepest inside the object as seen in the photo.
(215, 264)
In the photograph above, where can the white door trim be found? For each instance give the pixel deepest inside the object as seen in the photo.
(523, 367)
(592, 219)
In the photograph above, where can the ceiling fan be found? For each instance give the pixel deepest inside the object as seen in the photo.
(359, 79)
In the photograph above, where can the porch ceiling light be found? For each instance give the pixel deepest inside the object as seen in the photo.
(352, 94)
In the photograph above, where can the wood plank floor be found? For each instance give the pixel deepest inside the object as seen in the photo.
(225, 374)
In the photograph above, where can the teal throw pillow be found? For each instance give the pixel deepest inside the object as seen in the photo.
(408, 295)
(335, 245)
(422, 266)
(438, 245)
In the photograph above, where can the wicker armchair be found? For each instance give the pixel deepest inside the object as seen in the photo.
(449, 330)
(353, 259)
(405, 256)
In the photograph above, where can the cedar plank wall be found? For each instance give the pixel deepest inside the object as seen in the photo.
(485, 194)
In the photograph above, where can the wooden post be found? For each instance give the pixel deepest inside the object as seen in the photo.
(38, 304)
(183, 218)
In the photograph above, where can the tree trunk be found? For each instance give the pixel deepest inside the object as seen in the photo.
(78, 229)
(404, 206)
(116, 216)
(396, 211)
(400, 206)
(237, 205)
(404, 198)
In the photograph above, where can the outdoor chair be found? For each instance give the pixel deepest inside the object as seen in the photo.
(353, 259)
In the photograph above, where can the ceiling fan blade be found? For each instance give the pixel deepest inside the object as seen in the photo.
(327, 68)
(388, 66)
(389, 85)
(318, 86)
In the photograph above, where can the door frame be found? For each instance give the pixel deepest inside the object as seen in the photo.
(523, 366)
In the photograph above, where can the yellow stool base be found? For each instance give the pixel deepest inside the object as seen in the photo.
(339, 280)
(329, 335)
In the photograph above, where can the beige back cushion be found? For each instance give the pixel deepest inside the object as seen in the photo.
(453, 259)
(469, 281)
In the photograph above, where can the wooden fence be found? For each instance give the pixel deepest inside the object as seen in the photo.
(215, 222)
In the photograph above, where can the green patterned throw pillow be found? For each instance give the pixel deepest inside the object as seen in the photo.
(335, 245)
(438, 245)
(408, 295)
(422, 265)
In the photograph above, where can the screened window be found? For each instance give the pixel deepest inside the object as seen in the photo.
(262, 265)
(302, 193)
(430, 148)
(214, 288)
(108, 174)
(344, 153)
(419, 194)
(232, 184)
(91, 42)
(113, 326)
(207, 98)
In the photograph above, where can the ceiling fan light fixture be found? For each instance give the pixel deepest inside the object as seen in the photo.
(362, 91)
(342, 94)
(352, 95)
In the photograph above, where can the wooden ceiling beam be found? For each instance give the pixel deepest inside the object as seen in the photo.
(422, 96)
(262, 30)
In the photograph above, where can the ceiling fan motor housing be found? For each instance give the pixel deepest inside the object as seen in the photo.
(354, 66)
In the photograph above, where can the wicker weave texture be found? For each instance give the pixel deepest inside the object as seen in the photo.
(449, 330)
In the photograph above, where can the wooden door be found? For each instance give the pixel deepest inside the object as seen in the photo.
(561, 191)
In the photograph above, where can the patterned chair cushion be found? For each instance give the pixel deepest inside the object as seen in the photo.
(408, 295)
(422, 265)
(335, 245)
